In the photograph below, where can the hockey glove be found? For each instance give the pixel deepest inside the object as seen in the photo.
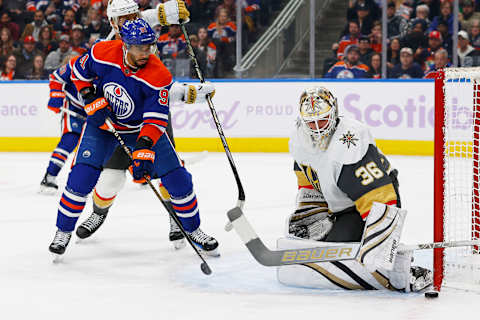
(57, 98)
(173, 12)
(96, 108)
(143, 159)
(198, 93)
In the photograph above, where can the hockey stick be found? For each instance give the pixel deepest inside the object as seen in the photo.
(435, 245)
(241, 193)
(342, 251)
(271, 258)
(203, 266)
(73, 113)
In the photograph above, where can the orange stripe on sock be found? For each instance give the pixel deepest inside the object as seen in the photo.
(71, 205)
(194, 203)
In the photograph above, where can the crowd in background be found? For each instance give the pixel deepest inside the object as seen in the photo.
(36, 36)
(419, 37)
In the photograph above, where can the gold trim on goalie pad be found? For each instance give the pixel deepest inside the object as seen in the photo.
(302, 180)
(164, 193)
(384, 281)
(308, 214)
(191, 95)
(381, 194)
(365, 250)
(333, 278)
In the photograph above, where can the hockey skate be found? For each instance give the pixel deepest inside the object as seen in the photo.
(48, 185)
(421, 278)
(89, 226)
(204, 242)
(59, 244)
(176, 237)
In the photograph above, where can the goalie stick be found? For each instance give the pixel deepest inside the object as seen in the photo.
(203, 266)
(342, 251)
(241, 193)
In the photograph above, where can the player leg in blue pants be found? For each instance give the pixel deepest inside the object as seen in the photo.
(95, 148)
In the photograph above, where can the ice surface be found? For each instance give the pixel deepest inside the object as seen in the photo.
(128, 270)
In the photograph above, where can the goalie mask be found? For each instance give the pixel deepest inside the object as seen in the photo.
(121, 10)
(318, 114)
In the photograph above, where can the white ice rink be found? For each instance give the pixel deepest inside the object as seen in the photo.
(129, 270)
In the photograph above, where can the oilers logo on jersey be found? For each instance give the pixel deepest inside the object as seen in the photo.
(119, 99)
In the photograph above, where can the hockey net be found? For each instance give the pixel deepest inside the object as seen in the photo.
(457, 181)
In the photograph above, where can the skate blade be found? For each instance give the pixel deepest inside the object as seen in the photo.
(47, 191)
(179, 244)
(57, 258)
(212, 253)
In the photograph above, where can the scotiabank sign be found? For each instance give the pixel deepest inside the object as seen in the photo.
(394, 110)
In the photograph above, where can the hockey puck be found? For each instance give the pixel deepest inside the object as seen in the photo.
(431, 294)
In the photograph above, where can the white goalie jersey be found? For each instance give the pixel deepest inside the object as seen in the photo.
(351, 172)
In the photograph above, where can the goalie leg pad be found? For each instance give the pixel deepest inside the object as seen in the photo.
(381, 237)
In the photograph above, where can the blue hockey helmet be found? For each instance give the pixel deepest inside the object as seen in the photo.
(137, 32)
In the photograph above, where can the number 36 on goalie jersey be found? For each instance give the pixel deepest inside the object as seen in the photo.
(347, 175)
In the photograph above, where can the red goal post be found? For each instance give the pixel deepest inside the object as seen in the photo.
(456, 177)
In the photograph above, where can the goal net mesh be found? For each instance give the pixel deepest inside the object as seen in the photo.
(461, 191)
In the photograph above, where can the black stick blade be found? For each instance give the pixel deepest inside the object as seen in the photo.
(205, 268)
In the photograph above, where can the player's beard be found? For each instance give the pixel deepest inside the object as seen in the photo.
(140, 63)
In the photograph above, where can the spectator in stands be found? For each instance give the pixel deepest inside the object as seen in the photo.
(68, 21)
(416, 37)
(206, 45)
(55, 58)
(93, 38)
(96, 25)
(37, 71)
(404, 8)
(433, 5)
(445, 16)
(396, 25)
(375, 66)
(229, 5)
(81, 15)
(425, 56)
(364, 19)
(331, 60)
(46, 43)
(366, 50)
(6, 22)
(468, 14)
(350, 67)
(33, 28)
(222, 32)
(440, 61)
(467, 55)
(475, 34)
(78, 42)
(393, 53)
(407, 68)
(201, 56)
(202, 12)
(376, 36)
(373, 8)
(25, 56)
(421, 15)
(350, 38)
(8, 70)
(6, 44)
(447, 43)
(172, 43)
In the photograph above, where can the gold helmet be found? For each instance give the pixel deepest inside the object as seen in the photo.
(318, 113)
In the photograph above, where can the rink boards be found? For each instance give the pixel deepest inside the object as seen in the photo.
(256, 115)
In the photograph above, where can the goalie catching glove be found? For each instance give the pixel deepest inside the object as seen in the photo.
(173, 12)
(190, 93)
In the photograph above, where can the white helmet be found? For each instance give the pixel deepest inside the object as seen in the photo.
(119, 8)
(318, 114)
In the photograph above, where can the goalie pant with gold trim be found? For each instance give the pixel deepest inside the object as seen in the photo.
(350, 173)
